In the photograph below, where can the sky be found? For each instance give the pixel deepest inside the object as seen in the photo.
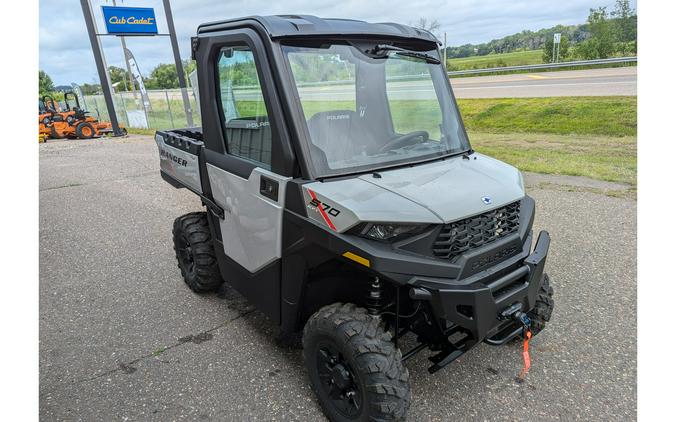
(65, 51)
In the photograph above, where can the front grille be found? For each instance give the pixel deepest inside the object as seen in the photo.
(463, 235)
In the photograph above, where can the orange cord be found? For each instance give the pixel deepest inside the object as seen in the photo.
(526, 355)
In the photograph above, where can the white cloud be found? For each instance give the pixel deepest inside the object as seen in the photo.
(65, 52)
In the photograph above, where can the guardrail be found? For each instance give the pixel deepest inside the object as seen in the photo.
(545, 66)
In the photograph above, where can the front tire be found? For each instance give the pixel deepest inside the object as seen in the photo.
(85, 130)
(195, 253)
(354, 367)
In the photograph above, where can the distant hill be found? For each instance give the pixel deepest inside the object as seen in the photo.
(525, 40)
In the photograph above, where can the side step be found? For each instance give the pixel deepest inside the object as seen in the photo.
(443, 358)
(449, 352)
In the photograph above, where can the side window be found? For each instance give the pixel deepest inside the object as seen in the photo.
(244, 115)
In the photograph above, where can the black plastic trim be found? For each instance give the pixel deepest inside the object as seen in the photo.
(261, 288)
(230, 163)
(269, 188)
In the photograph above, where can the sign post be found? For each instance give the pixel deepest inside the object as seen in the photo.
(556, 47)
(131, 21)
(100, 65)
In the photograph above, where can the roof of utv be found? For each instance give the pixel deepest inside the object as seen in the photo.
(307, 26)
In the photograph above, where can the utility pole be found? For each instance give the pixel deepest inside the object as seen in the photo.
(100, 64)
(179, 63)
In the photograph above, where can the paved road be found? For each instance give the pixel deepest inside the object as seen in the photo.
(612, 81)
(595, 82)
(122, 338)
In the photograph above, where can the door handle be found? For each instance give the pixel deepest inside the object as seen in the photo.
(269, 188)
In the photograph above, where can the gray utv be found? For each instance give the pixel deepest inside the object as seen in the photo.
(343, 199)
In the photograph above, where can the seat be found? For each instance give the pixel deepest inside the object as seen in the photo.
(340, 134)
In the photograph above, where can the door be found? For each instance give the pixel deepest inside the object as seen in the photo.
(242, 136)
(242, 181)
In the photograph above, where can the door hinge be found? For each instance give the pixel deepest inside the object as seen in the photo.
(194, 41)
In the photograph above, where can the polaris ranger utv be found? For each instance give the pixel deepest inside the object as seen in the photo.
(342, 195)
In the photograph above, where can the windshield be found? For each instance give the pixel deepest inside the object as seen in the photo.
(369, 107)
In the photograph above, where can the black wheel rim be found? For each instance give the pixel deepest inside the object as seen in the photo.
(185, 255)
(338, 381)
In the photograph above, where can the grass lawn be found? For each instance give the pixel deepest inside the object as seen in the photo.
(613, 159)
(604, 116)
(517, 58)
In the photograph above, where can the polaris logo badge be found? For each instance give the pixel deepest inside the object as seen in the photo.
(337, 117)
(496, 257)
(256, 125)
(486, 200)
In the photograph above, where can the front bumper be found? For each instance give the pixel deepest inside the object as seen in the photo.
(477, 304)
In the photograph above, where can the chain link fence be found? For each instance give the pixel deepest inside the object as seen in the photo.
(164, 111)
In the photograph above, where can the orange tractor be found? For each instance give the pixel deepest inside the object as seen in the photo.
(73, 121)
(51, 120)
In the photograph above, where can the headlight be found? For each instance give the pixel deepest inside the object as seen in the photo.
(521, 180)
(388, 231)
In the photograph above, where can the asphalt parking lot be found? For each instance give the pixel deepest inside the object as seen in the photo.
(122, 337)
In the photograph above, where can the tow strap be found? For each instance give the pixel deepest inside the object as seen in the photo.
(514, 313)
(527, 334)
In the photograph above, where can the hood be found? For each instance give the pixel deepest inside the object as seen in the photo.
(431, 193)
(455, 188)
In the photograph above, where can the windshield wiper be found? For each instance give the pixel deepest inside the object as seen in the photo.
(380, 48)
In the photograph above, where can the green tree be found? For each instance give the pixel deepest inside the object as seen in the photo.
(45, 83)
(120, 77)
(600, 45)
(163, 76)
(625, 20)
(90, 89)
(547, 55)
(625, 27)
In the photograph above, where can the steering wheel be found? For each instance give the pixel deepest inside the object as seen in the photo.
(404, 140)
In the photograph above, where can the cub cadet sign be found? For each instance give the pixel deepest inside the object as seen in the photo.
(130, 20)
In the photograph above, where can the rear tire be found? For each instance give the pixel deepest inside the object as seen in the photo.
(543, 308)
(354, 367)
(195, 252)
(54, 134)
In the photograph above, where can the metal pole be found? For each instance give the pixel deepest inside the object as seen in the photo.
(168, 106)
(100, 65)
(179, 63)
